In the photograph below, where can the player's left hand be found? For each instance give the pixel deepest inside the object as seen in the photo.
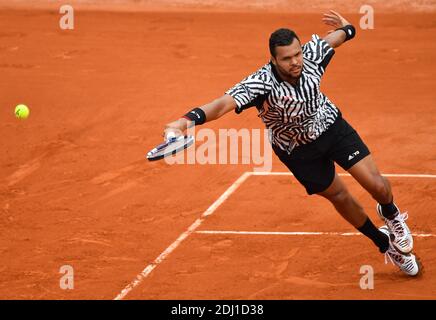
(335, 20)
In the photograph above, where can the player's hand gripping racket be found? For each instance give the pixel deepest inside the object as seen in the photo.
(171, 146)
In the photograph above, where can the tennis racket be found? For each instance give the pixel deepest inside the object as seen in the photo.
(170, 147)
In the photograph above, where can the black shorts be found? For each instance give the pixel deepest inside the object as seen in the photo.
(313, 164)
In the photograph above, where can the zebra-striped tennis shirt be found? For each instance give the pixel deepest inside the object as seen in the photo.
(295, 114)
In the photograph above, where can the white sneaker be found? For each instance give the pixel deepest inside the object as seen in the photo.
(403, 240)
(408, 263)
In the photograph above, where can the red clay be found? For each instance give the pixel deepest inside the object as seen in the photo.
(76, 189)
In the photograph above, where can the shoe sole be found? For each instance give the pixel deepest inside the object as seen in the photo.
(420, 267)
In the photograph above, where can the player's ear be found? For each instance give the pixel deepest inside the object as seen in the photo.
(273, 60)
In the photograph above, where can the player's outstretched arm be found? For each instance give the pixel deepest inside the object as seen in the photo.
(207, 112)
(343, 29)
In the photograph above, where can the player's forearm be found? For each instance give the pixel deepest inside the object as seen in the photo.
(211, 112)
(336, 38)
(343, 31)
(215, 109)
(340, 35)
(206, 113)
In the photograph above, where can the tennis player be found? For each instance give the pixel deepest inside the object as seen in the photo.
(309, 133)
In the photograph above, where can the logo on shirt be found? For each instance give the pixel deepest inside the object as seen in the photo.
(352, 156)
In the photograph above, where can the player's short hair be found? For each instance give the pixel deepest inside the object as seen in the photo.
(281, 37)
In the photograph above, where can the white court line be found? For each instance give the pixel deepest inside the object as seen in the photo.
(418, 235)
(144, 274)
(394, 175)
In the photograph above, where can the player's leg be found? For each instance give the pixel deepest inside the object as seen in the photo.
(352, 211)
(367, 174)
(338, 194)
(369, 177)
(317, 174)
(351, 153)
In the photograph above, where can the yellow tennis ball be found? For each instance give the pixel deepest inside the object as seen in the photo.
(22, 111)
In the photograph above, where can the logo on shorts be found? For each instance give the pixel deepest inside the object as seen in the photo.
(352, 156)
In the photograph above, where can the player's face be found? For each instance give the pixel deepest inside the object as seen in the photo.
(289, 60)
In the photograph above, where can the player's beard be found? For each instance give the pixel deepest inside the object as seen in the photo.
(291, 76)
(295, 75)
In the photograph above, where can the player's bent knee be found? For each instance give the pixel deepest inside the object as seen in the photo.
(338, 196)
(381, 191)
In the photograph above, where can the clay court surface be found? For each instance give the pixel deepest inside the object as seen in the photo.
(76, 189)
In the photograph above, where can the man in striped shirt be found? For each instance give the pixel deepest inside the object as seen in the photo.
(309, 135)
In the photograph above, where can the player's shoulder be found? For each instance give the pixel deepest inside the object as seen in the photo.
(264, 74)
(313, 43)
(265, 70)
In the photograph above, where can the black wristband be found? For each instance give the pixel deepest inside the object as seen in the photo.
(349, 30)
(196, 115)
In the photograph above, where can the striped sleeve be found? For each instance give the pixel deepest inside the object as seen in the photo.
(319, 52)
(252, 91)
